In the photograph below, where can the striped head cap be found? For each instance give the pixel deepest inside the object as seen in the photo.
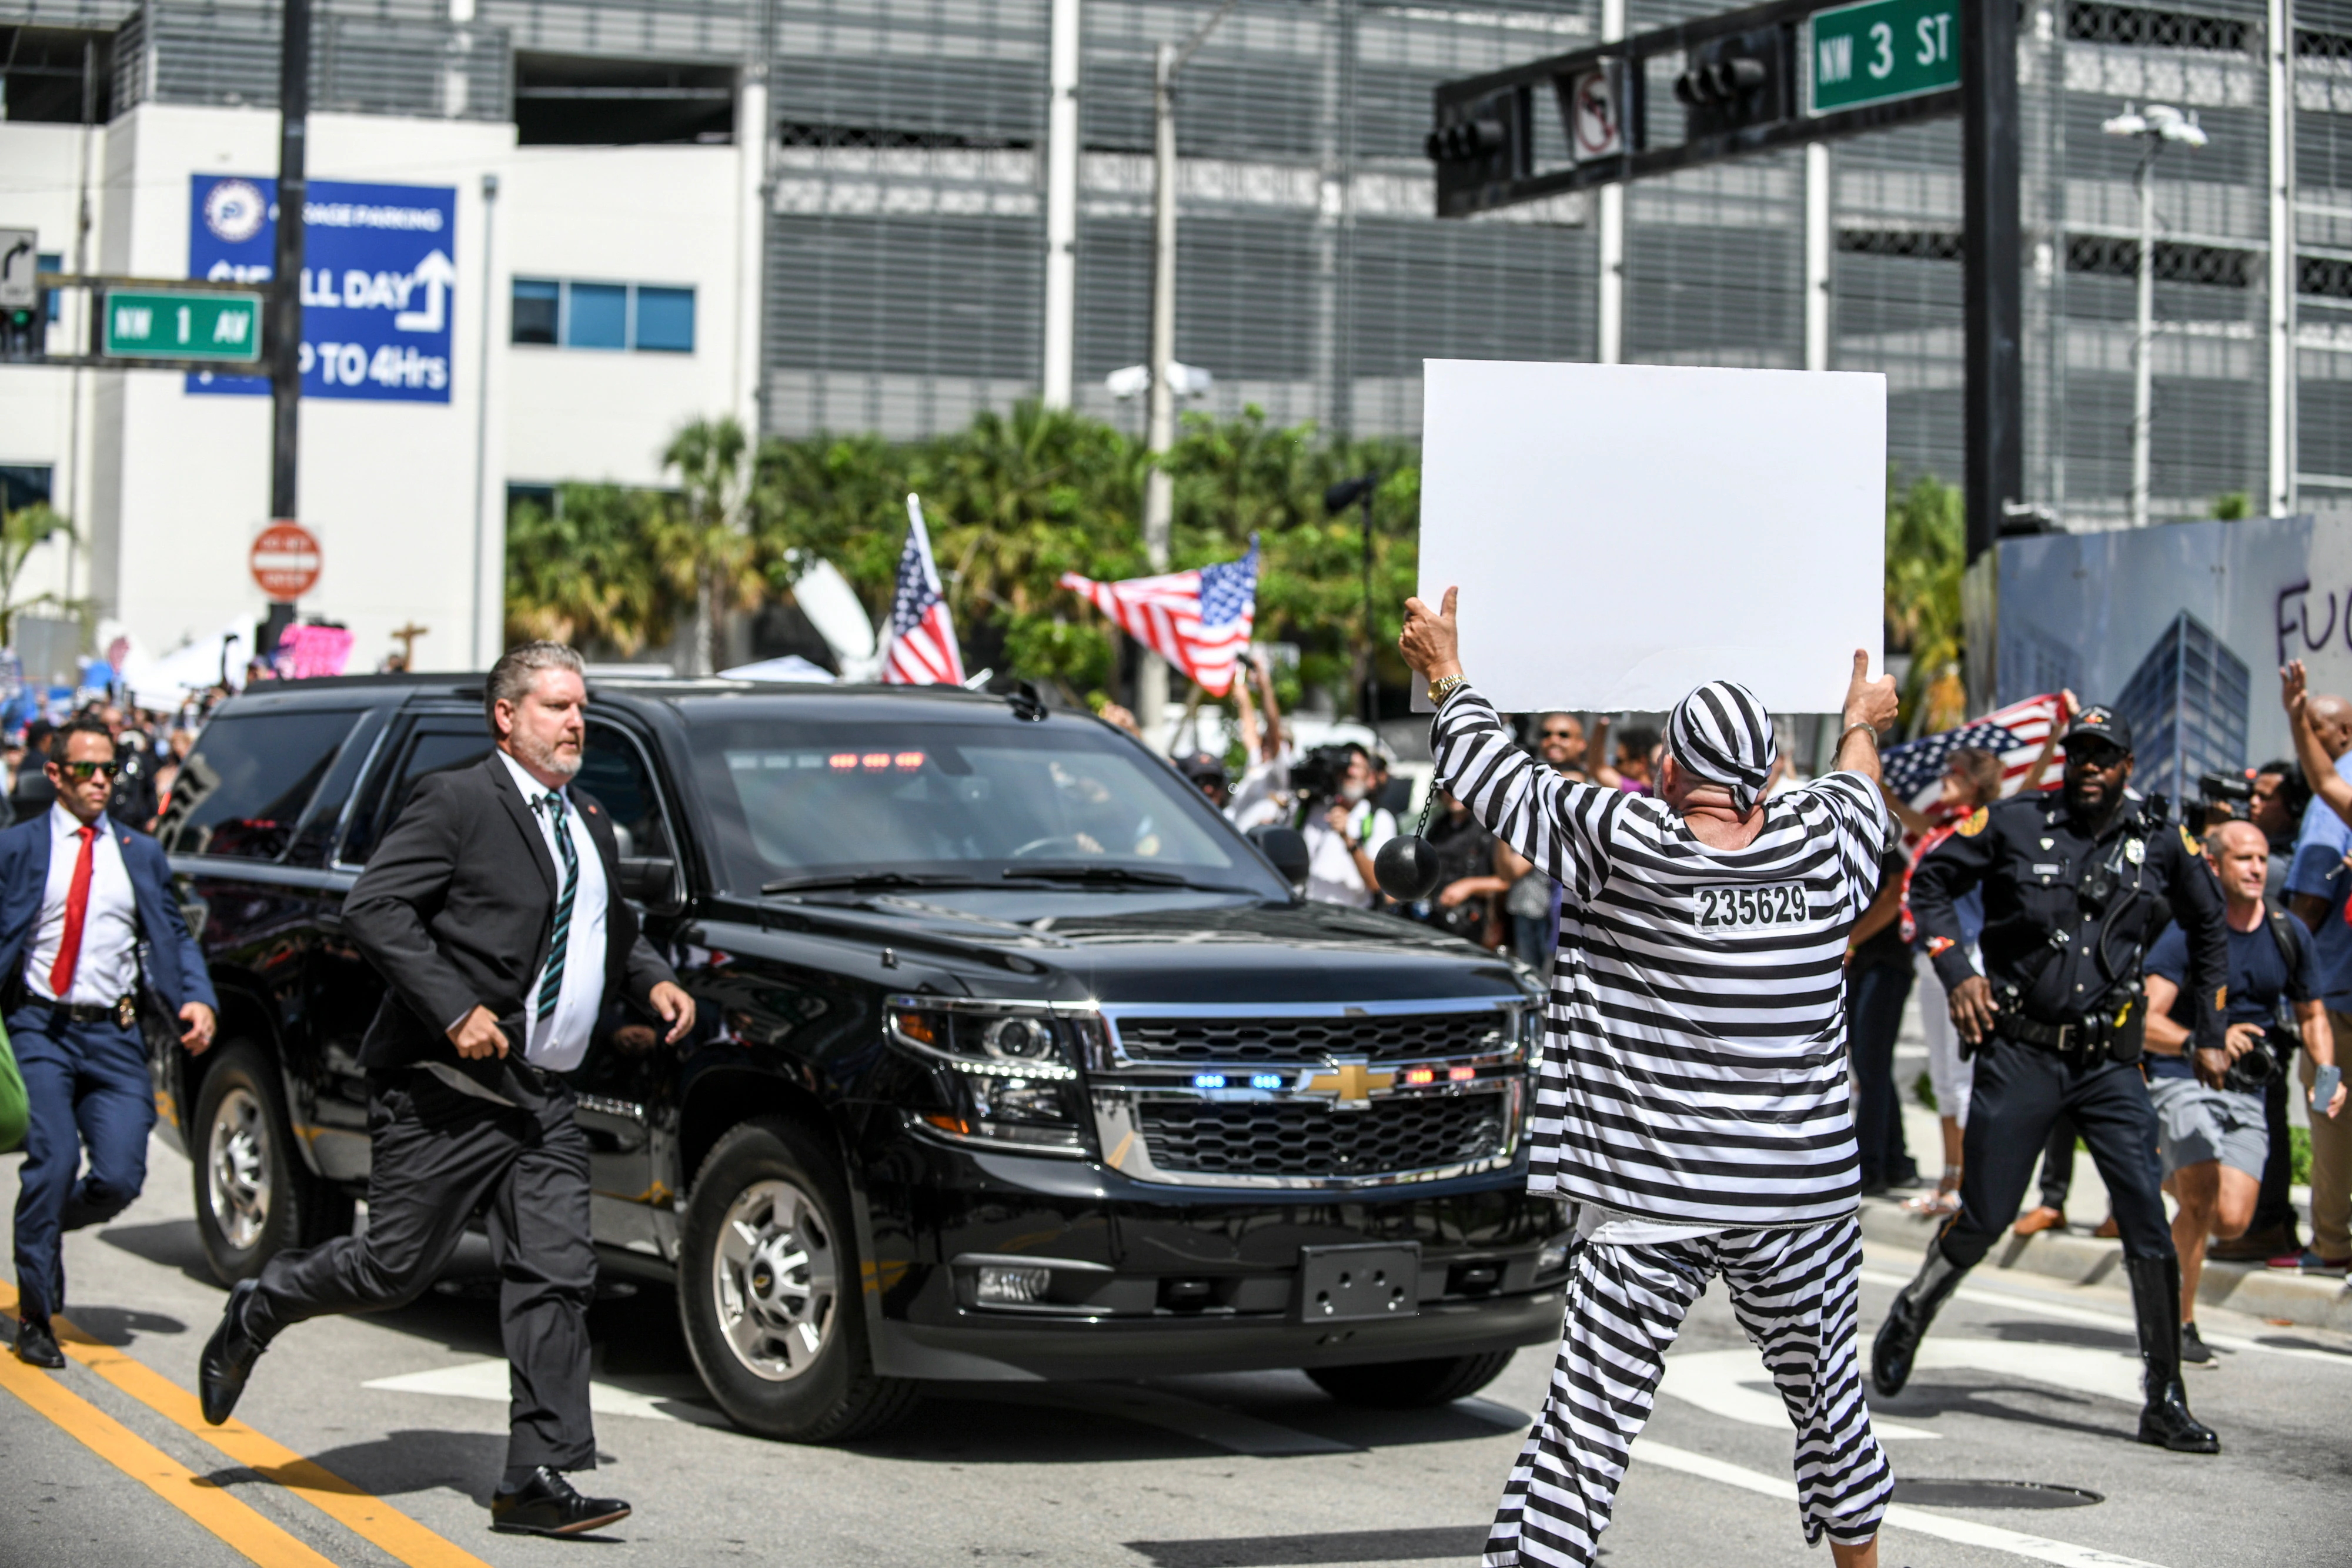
(1721, 733)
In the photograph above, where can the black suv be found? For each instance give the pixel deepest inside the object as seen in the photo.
(1013, 1059)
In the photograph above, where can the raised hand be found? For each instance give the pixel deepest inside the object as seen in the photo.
(1431, 641)
(1874, 703)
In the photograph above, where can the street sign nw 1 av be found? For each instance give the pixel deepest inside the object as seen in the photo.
(174, 324)
(1879, 51)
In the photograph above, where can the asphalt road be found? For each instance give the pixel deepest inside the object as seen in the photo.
(106, 1463)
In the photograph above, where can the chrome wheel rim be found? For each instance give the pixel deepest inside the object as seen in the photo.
(775, 1281)
(236, 1165)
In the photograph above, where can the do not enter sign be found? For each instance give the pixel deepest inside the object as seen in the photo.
(285, 560)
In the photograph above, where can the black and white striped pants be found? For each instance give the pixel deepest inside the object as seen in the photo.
(1797, 1294)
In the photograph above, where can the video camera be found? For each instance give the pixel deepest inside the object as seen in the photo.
(1320, 773)
(2225, 797)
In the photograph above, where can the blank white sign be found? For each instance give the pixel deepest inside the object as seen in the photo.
(1623, 533)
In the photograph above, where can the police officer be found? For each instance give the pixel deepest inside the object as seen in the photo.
(2077, 883)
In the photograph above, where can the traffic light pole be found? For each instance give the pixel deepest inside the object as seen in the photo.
(1992, 285)
(285, 331)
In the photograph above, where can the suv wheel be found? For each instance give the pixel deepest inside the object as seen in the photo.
(254, 1199)
(767, 1291)
(1411, 1384)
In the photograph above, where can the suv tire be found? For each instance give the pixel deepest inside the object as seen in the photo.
(254, 1198)
(1411, 1384)
(768, 1291)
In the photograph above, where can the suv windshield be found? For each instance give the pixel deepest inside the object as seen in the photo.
(804, 802)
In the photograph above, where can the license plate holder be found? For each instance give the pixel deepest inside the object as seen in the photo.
(1358, 1283)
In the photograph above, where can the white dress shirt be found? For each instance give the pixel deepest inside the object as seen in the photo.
(558, 1042)
(1332, 876)
(107, 967)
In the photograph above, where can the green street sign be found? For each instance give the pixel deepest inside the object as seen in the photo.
(1879, 51)
(176, 324)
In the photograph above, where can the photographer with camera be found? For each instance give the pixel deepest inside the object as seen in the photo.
(1342, 827)
(2211, 1121)
(2076, 884)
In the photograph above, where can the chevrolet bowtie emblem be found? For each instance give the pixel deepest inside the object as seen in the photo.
(1352, 1083)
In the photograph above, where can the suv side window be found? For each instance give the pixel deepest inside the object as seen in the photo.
(614, 771)
(431, 746)
(242, 789)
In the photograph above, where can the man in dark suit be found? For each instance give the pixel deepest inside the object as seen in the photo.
(78, 895)
(492, 909)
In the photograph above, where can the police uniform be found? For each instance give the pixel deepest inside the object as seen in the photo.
(2071, 907)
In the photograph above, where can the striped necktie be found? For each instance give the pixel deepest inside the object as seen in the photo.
(550, 989)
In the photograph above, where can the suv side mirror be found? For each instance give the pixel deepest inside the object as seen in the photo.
(650, 880)
(1285, 850)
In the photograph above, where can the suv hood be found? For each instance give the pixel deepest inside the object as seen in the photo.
(1297, 953)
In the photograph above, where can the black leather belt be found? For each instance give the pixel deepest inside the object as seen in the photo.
(123, 1011)
(2084, 1038)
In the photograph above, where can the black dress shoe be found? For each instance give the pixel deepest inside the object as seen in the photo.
(546, 1505)
(36, 1346)
(229, 1355)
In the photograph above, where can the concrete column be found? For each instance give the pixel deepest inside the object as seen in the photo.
(751, 243)
(1817, 255)
(2281, 494)
(1611, 337)
(1060, 358)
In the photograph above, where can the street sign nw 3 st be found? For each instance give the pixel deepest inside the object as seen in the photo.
(167, 324)
(1879, 51)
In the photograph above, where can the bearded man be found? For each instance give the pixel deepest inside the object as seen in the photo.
(492, 910)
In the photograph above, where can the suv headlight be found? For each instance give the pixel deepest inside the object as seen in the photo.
(1008, 1072)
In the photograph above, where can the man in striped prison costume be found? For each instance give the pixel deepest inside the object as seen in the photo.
(1692, 1101)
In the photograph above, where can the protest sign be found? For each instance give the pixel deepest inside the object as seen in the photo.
(1623, 533)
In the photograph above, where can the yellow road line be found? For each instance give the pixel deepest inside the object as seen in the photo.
(245, 1532)
(361, 1512)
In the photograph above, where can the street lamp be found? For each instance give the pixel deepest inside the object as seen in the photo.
(1159, 428)
(2159, 123)
(1337, 500)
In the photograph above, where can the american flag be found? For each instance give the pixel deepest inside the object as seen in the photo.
(1198, 620)
(1915, 771)
(922, 651)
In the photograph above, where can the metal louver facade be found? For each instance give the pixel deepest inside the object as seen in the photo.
(906, 248)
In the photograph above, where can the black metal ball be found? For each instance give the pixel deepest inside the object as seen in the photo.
(1407, 868)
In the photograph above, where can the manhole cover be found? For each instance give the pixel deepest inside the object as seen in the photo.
(1993, 1494)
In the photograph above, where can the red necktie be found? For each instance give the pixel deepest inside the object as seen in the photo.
(61, 973)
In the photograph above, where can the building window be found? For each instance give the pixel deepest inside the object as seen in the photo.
(596, 316)
(538, 306)
(653, 319)
(665, 320)
(22, 484)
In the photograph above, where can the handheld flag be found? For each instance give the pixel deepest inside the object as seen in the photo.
(1915, 771)
(1198, 620)
(922, 651)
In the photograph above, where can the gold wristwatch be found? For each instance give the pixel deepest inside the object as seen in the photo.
(1440, 690)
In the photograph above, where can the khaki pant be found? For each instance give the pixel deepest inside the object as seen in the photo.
(2331, 1158)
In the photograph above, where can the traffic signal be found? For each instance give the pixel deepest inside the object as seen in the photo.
(25, 331)
(1486, 142)
(1737, 81)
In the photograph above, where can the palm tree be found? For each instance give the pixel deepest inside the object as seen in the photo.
(22, 532)
(707, 545)
(583, 571)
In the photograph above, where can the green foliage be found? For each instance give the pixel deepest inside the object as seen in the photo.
(590, 570)
(2299, 1156)
(1924, 1090)
(22, 532)
(2231, 508)
(1926, 548)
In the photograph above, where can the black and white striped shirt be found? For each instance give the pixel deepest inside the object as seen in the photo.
(1694, 1065)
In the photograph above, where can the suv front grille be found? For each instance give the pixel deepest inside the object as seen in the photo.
(1306, 1138)
(1407, 1037)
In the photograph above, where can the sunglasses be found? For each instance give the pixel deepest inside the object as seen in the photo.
(1559, 734)
(83, 772)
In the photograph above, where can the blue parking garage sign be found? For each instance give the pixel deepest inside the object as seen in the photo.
(379, 280)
